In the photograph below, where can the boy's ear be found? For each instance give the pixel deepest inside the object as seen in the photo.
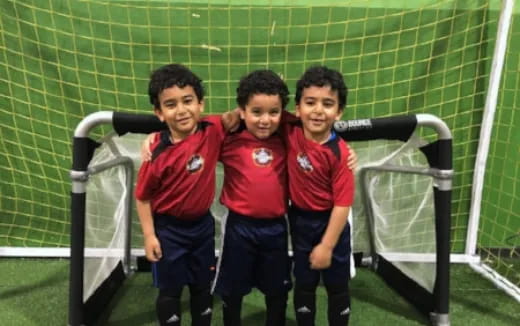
(242, 113)
(158, 114)
(297, 111)
(201, 105)
(338, 116)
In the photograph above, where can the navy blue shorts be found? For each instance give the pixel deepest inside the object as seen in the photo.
(307, 229)
(254, 254)
(188, 251)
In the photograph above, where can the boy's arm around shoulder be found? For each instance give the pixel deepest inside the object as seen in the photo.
(288, 117)
(352, 162)
(146, 147)
(231, 120)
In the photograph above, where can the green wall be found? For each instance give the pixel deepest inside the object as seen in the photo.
(62, 60)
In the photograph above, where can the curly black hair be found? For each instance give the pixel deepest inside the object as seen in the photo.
(261, 82)
(173, 75)
(322, 76)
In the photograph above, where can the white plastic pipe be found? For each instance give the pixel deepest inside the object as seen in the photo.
(504, 23)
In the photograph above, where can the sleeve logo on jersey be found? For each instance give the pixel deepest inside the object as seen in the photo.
(304, 162)
(262, 156)
(195, 164)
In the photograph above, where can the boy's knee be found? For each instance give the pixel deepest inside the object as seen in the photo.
(306, 287)
(200, 289)
(337, 288)
(170, 293)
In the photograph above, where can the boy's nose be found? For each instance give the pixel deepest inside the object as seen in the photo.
(318, 108)
(182, 109)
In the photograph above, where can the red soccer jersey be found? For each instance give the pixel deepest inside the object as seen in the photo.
(255, 175)
(319, 177)
(180, 179)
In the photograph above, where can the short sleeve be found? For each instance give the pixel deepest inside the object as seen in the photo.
(217, 128)
(287, 124)
(147, 182)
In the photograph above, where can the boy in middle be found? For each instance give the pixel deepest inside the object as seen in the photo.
(255, 242)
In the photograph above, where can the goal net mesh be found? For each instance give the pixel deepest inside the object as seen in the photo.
(62, 60)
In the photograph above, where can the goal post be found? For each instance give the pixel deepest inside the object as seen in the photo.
(434, 301)
(87, 300)
(402, 267)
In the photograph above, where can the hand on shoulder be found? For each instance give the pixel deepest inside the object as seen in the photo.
(146, 152)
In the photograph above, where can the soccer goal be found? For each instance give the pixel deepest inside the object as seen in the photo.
(63, 60)
(402, 225)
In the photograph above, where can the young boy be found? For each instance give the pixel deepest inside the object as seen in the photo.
(321, 187)
(255, 191)
(174, 193)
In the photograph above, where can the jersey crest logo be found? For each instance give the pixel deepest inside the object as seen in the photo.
(195, 164)
(304, 162)
(262, 156)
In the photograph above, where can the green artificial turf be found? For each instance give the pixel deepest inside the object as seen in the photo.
(35, 292)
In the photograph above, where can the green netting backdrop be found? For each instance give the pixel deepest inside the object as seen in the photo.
(62, 60)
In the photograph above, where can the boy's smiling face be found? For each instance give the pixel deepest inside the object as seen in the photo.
(318, 109)
(262, 114)
(180, 108)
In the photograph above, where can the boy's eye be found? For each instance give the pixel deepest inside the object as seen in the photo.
(328, 103)
(274, 112)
